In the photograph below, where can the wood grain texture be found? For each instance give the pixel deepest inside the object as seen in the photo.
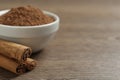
(87, 46)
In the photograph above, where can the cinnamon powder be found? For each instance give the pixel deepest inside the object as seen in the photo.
(25, 16)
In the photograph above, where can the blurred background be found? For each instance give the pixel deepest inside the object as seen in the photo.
(70, 11)
(75, 10)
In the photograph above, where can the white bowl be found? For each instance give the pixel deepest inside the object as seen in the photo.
(35, 37)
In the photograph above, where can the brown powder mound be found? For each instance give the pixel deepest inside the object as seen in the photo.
(25, 16)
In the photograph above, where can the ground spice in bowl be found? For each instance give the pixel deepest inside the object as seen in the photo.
(25, 16)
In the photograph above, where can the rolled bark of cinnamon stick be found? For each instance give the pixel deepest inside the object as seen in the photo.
(12, 65)
(13, 50)
(30, 64)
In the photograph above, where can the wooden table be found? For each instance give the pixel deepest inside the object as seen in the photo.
(87, 46)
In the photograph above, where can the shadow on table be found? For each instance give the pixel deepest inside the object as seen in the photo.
(6, 75)
(37, 54)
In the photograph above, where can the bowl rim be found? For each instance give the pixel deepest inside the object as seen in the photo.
(56, 17)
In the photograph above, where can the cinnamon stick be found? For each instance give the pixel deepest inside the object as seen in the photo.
(30, 64)
(12, 65)
(13, 50)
